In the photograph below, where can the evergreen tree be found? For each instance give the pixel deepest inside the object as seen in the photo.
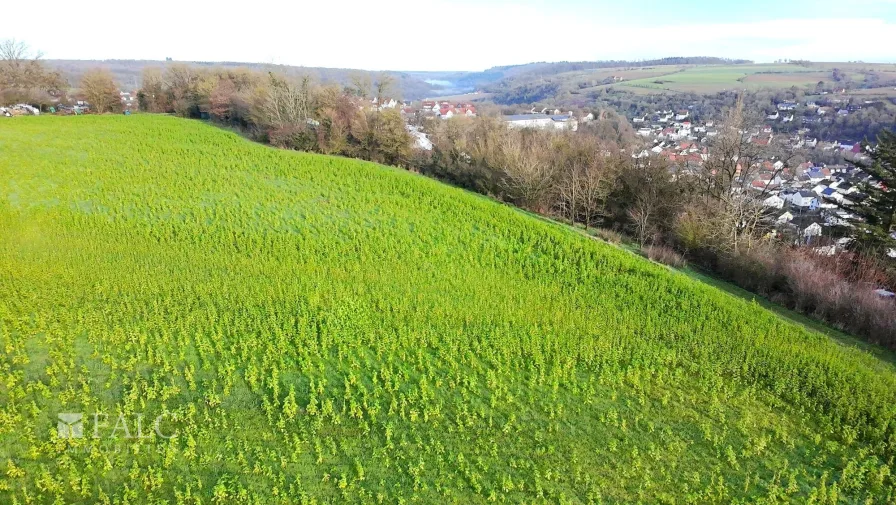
(878, 211)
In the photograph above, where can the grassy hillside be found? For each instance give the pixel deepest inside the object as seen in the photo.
(699, 79)
(322, 330)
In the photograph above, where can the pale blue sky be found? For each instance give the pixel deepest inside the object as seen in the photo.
(451, 35)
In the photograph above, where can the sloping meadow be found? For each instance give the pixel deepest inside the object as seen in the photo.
(241, 324)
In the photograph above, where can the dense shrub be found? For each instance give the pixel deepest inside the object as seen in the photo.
(608, 235)
(838, 290)
(665, 255)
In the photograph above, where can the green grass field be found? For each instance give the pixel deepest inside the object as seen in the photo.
(716, 78)
(323, 330)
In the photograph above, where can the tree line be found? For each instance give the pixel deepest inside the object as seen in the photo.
(285, 111)
(25, 79)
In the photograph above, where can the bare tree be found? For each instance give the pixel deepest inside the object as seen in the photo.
(569, 191)
(153, 96)
(360, 83)
(724, 183)
(384, 86)
(597, 181)
(641, 214)
(528, 171)
(286, 103)
(24, 77)
(99, 89)
(585, 175)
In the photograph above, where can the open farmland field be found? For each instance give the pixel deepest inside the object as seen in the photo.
(874, 92)
(782, 80)
(629, 73)
(297, 328)
(716, 78)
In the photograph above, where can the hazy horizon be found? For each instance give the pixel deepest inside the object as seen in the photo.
(440, 70)
(437, 35)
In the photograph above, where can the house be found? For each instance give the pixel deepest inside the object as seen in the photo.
(385, 103)
(762, 141)
(786, 106)
(815, 175)
(843, 112)
(785, 218)
(565, 121)
(645, 132)
(812, 143)
(639, 119)
(813, 230)
(774, 116)
(557, 121)
(421, 140)
(804, 200)
(774, 202)
(832, 194)
(682, 115)
(589, 118)
(845, 188)
(766, 180)
(788, 119)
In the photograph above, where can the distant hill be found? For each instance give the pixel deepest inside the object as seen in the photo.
(462, 82)
(545, 68)
(411, 84)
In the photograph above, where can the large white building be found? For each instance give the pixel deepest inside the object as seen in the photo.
(547, 121)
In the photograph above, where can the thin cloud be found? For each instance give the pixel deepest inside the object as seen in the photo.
(436, 35)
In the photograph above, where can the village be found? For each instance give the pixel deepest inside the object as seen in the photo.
(805, 201)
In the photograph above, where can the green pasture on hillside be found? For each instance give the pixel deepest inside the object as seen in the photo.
(715, 78)
(314, 329)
